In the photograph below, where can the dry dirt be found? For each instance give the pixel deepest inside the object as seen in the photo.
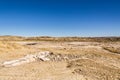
(97, 61)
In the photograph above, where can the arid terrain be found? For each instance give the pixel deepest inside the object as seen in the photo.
(79, 58)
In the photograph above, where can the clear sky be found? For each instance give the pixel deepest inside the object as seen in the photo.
(60, 17)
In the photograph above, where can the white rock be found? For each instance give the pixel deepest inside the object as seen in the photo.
(28, 58)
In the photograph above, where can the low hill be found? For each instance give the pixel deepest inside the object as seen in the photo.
(47, 38)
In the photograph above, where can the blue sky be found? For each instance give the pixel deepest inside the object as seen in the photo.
(60, 17)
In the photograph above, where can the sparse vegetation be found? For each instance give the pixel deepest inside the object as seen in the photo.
(60, 39)
(10, 46)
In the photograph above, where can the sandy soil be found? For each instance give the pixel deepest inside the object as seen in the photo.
(97, 61)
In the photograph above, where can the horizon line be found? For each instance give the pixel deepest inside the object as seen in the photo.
(54, 36)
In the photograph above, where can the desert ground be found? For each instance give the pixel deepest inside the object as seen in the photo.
(86, 60)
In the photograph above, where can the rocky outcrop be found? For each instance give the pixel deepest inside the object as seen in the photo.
(41, 56)
(26, 59)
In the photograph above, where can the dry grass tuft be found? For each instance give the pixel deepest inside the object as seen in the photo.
(10, 46)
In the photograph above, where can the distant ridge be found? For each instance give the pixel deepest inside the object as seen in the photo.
(48, 38)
